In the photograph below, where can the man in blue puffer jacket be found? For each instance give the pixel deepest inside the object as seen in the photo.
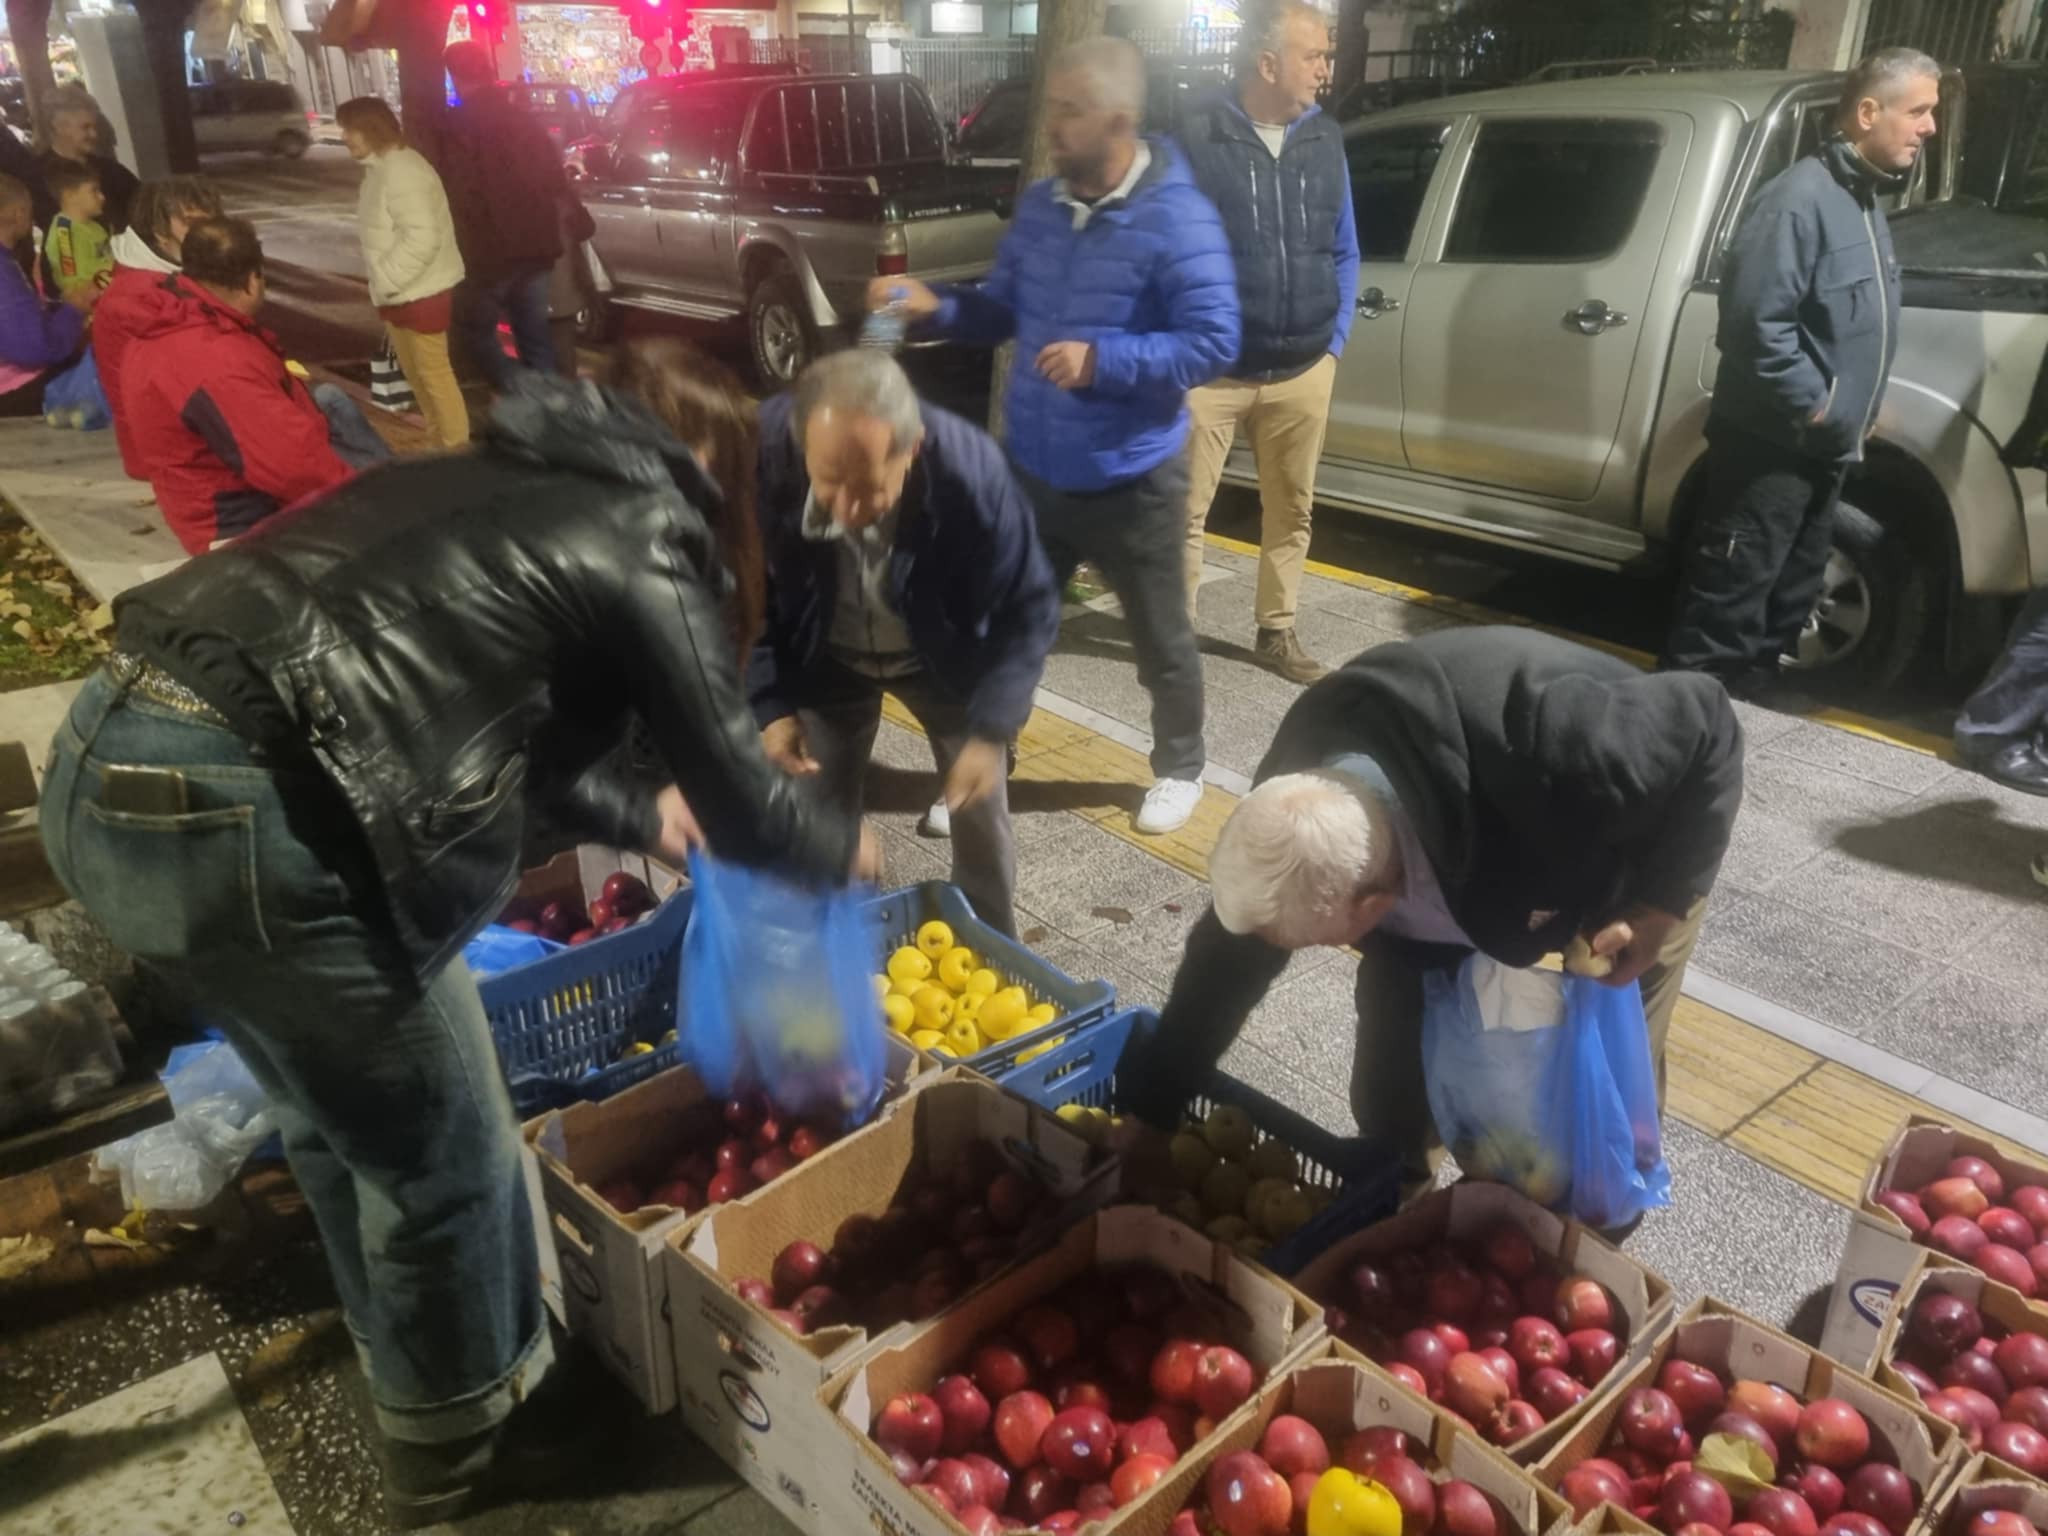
(1116, 283)
(1809, 326)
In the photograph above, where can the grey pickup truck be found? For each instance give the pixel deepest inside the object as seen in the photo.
(778, 198)
(1533, 356)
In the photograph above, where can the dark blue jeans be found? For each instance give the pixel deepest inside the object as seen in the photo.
(394, 1113)
(524, 301)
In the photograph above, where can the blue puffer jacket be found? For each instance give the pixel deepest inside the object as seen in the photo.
(1149, 281)
(1810, 309)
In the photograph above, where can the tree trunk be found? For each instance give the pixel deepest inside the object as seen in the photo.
(28, 23)
(163, 39)
(1060, 23)
(1347, 68)
(422, 82)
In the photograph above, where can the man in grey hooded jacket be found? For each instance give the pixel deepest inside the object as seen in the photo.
(1809, 326)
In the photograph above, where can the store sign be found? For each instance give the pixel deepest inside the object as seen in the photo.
(951, 18)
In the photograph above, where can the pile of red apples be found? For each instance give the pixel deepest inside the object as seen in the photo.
(624, 900)
(1491, 1331)
(1991, 1384)
(938, 1239)
(723, 1152)
(1969, 1214)
(1080, 1406)
(1827, 1475)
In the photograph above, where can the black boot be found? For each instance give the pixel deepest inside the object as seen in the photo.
(2022, 766)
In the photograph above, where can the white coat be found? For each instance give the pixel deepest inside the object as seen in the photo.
(408, 234)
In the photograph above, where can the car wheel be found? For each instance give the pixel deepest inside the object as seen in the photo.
(597, 321)
(289, 144)
(1871, 618)
(779, 329)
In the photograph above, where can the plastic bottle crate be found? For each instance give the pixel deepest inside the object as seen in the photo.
(1361, 1173)
(895, 918)
(560, 1023)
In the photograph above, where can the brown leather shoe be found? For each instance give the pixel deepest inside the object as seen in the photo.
(1279, 650)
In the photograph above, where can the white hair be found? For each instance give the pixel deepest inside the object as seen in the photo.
(1263, 27)
(1298, 850)
(1882, 74)
(1114, 70)
(861, 381)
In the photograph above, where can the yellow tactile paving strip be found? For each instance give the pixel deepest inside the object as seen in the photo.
(1814, 1121)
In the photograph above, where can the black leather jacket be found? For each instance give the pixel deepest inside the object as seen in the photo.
(458, 637)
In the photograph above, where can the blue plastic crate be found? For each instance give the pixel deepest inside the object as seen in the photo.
(561, 1023)
(1362, 1174)
(895, 918)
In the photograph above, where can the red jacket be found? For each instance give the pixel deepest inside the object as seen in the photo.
(116, 320)
(224, 434)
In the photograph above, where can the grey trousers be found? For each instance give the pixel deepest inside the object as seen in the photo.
(840, 716)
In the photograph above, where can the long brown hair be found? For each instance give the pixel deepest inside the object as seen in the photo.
(702, 402)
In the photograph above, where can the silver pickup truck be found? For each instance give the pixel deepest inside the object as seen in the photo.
(778, 198)
(1533, 355)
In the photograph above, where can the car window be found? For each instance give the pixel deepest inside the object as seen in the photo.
(1390, 172)
(833, 151)
(997, 129)
(1552, 189)
(272, 96)
(800, 122)
(768, 141)
(925, 140)
(682, 136)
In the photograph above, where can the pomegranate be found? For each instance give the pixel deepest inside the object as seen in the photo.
(1884, 1493)
(1832, 1433)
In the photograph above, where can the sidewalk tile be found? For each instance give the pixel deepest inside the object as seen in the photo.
(1861, 757)
(1326, 1104)
(1971, 794)
(1084, 962)
(1808, 964)
(741, 1513)
(1095, 779)
(1720, 1070)
(1046, 732)
(1992, 1038)
(1076, 874)
(1761, 726)
(2012, 952)
(1239, 727)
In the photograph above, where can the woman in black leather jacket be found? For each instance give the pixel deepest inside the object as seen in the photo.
(302, 784)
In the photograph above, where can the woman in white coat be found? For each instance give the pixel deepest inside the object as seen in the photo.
(409, 247)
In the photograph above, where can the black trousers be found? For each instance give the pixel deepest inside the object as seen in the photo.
(1756, 558)
(2011, 704)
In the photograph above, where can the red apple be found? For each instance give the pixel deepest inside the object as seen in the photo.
(770, 1165)
(1041, 1492)
(1536, 1343)
(2022, 1358)
(993, 1477)
(1095, 1501)
(1821, 1487)
(1011, 1198)
(1693, 1498)
(2029, 1406)
(1371, 1290)
(2031, 1201)
(1586, 1487)
(1454, 1291)
(1292, 1444)
(2021, 1444)
(1980, 1173)
(1412, 1489)
(2003, 1224)
(1783, 1513)
(1173, 1371)
(910, 1422)
(1048, 1336)
(622, 1195)
(1539, 1292)
(1248, 1498)
(1884, 1493)
(1979, 1373)
(1923, 1385)
(1149, 1436)
(1080, 1443)
(1462, 1510)
(1128, 1350)
(732, 1154)
(1955, 1197)
(1595, 1352)
(1136, 1476)
(1747, 1428)
(1584, 1303)
(819, 1307)
(806, 1142)
(1958, 1236)
(1769, 1404)
(797, 1268)
(967, 1413)
(1423, 1352)
(1365, 1449)
(729, 1184)
(1070, 1389)
(1850, 1523)
(1188, 1523)
(1991, 1522)
(999, 1370)
(1908, 1209)
(1943, 1324)
(1832, 1433)
(2008, 1266)
(980, 1520)
(1944, 1406)
(1516, 1421)
(1697, 1391)
(2037, 1257)
(1474, 1390)
(1747, 1528)
(1409, 1377)
(1555, 1393)
(1982, 1409)
(755, 1291)
(1510, 1250)
(1456, 1339)
(677, 1194)
(1650, 1423)
(1021, 1421)
(955, 1479)
(1223, 1380)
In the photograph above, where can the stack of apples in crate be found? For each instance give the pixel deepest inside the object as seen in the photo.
(622, 902)
(1234, 1184)
(1082, 1404)
(1969, 1214)
(937, 993)
(1989, 1381)
(721, 1152)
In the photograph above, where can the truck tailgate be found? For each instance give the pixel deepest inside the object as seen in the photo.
(953, 247)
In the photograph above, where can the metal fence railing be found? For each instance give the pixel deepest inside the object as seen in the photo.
(958, 72)
(1954, 31)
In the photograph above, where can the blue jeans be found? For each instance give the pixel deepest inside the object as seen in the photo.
(388, 1093)
(523, 300)
(349, 432)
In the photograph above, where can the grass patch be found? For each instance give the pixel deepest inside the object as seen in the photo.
(51, 630)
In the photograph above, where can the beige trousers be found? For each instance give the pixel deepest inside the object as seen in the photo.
(1285, 422)
(423, 358)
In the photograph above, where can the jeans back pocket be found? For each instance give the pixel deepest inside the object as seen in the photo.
(167, 888)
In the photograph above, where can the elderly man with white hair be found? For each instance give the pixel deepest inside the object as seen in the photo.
(900, 556)
(1486, 789)
(1115, 282)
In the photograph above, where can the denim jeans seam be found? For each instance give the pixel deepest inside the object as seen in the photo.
(507, 1382)
(243, 816)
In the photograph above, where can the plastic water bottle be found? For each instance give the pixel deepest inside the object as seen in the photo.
(887, 327)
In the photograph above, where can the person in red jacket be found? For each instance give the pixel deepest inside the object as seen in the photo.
(225, 432)
(144, 254)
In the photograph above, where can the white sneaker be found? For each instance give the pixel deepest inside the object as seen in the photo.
(1168, 805)
(938, 821)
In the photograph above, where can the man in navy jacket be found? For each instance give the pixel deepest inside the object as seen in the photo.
(1115, 283)
(1274, 166)
(900, 556)
(1809, 326)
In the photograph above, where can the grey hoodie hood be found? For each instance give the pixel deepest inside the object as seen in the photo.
(129, 249)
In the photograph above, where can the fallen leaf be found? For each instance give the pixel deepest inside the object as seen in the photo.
(16, 611)
(56, 588)
(26, 630)
(1117, 915)
(1033, 936)
(95, 1238)
(19, 1255)
(1173, 906)
(100, 618)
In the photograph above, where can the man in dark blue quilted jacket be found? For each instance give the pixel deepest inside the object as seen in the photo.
(1116, 284)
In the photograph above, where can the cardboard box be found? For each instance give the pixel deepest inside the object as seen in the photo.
(1338, 1390)
(749, 1387)
(1466, 1212)
(612, 1290)
(1984, 1482)
(1934, 1272)
(580, 873)
(1879, 1253)
(1739, 1348)
(1262, 1316)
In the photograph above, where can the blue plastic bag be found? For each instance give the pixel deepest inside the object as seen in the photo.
(1544, 1082)
(75, 399)
(777, 994)
(499, 949)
